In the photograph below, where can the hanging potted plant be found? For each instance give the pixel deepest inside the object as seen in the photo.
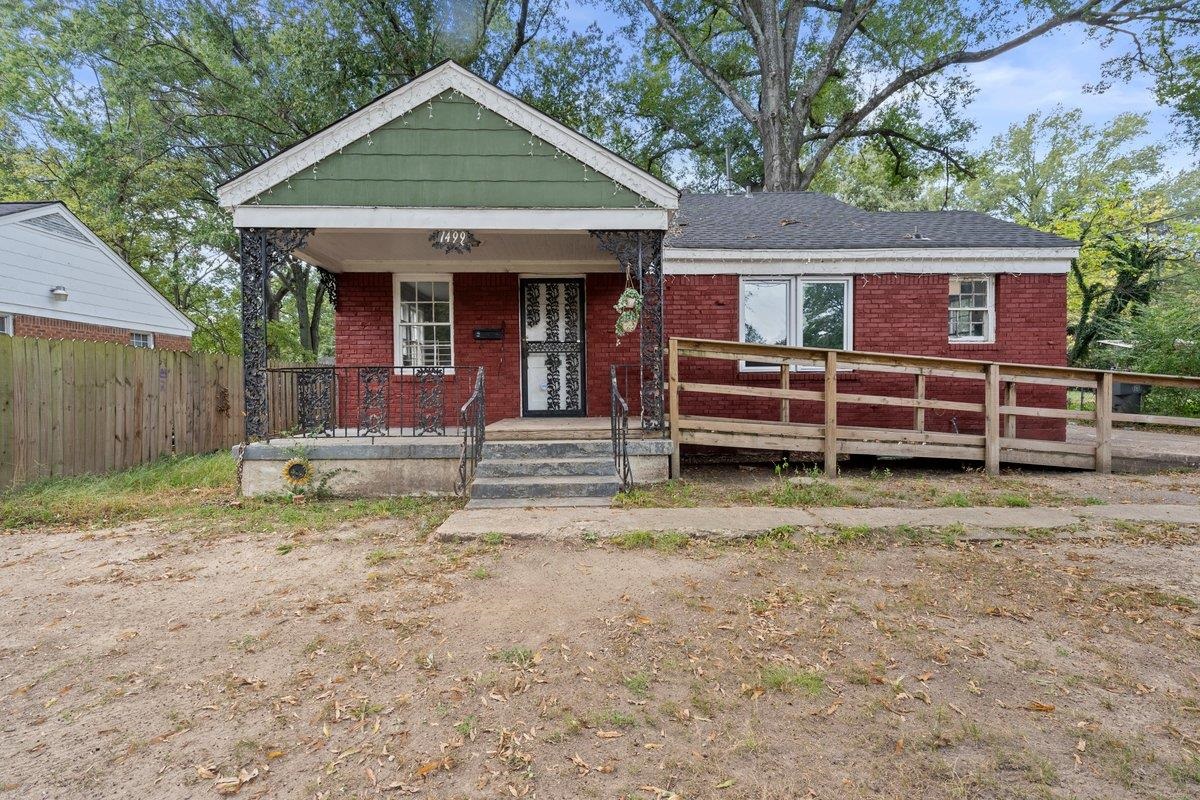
(629, 311)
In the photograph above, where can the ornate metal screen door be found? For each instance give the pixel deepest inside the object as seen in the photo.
(553, 370)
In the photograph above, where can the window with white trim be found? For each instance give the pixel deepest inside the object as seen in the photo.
(424, 312)
(6, 325)
(145, 340)
(972, 308)
(797, 311)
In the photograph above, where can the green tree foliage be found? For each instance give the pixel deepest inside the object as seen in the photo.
(134, 111)
(800, 80)
(1102, 187)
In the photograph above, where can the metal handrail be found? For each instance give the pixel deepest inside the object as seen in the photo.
(619, 425)
(472, 421)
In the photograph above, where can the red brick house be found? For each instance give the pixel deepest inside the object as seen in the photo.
(463, 229)
(58, 280)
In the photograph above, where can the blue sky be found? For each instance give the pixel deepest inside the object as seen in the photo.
(1036, 77)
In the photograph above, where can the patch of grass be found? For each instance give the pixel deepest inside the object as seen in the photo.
(638, 684)
(780, 536)
(817, 493)
(955, 500)
(950, 534)
(664, 541)
(492, 539)
(480, 573)
(467, 727)
(197, 494)
(284, 548)
(784, 678)
(610, 718)
(365, 709)
(1185, 772)
(520, 657)
(846, 534)
(1014, 501)
(377, 557)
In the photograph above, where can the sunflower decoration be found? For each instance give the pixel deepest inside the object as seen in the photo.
(298, 473)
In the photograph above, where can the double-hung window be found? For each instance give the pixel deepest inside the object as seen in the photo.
(424, 321)
(798, 311)
(972, 308)
(6, 325)
(142, 340)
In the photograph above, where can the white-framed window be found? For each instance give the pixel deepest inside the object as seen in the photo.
(138, 339)
(423, 309)
(796, 310)
(972, 308)
(6, 324)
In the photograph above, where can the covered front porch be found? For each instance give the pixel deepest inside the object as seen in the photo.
(475, 250)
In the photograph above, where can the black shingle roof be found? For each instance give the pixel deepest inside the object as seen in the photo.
(812, 221)
(14, 208)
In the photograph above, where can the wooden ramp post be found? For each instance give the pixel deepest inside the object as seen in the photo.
(831, 414)
(991, 413)
(673, 403)
(1104, 400)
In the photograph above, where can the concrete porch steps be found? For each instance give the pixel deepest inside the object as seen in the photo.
(536, 472)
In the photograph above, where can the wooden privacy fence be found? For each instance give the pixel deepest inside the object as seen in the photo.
(996, 385)
(73, 407)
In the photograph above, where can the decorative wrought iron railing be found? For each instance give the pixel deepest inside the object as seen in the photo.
(619, 423)
(472, 420)
(367, 400)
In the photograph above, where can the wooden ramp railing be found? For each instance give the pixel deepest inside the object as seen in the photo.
(995, 411)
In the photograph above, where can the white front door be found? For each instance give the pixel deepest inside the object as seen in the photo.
(553, 368)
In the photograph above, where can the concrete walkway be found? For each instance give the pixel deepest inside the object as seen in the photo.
(744, 521)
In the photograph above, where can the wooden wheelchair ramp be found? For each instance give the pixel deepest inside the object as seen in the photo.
(801, 399)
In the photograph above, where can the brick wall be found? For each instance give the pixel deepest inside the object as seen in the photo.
(363, 335)
(50, 328)
(892, 313)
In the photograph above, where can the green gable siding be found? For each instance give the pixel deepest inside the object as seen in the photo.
(451, 152)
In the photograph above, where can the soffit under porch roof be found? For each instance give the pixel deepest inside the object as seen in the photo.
(545, 252)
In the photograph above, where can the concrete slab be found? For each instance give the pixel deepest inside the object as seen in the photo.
(745, 521)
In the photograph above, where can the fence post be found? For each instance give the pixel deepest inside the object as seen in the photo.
(919, 413)
(785, 405)
(1103, 413)
(673, 403)
(8, 444)
(831, 414)
(991, 412)
(1010, 400)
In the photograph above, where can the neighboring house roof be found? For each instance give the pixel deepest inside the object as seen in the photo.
(13, 208)
(42, 244)
(447, 77)
(813, 221)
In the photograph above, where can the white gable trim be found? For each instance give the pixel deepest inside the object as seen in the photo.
(477, 219)
(419, 90)
(93, 239)
(930, 261)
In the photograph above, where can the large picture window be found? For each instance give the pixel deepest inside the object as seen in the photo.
(972, 308)
(797, 311)
(424, 321)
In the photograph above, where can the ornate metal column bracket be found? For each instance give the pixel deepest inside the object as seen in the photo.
(640, 254)
(329, 282)
(261, 250)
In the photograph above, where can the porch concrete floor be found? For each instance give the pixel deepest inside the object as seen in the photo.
(527, 428)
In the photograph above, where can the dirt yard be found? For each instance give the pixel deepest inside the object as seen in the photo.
(364, 660)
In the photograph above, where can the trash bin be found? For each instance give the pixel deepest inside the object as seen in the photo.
(1127, 397)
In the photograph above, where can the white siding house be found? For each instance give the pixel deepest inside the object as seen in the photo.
(53, 268)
